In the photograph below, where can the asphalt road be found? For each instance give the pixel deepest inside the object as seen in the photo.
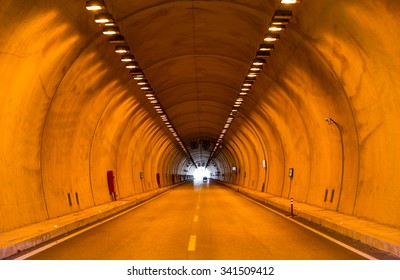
(198, 221)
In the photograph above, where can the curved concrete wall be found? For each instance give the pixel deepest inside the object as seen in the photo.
(70, 113)
(340, 63)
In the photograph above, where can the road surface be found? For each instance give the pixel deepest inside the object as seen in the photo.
(198, 221)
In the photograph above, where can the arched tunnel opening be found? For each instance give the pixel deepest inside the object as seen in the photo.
(273, 100)
(201, 173)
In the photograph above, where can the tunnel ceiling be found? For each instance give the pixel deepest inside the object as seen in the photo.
(195, 56)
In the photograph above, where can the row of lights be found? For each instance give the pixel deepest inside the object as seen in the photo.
(278, 23)
(105, 20)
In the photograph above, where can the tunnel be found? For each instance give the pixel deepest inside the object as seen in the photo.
(277, 100)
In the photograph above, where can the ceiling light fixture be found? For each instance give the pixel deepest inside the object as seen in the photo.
(290, 1)
(143, 82)
(267, 47)
(122, 49)
(127, 58)
(103, 18)
(253, 73)
(279, 22)
(263, 54)
(111, 23)
(282, 14)
(95, 5)
(111, 30)
(131, 65)
(276, 28)
(256, 68)
(137, 72)
(271, 37)
(258, 62)
(116, 39)
(138, 76)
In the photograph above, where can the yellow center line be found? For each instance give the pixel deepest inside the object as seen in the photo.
(192, 243)
(196, 218)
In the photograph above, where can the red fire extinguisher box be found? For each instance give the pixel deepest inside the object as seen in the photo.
(110, 180)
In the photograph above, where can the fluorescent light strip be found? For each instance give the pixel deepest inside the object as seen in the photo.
(278, 23)
(107, 22)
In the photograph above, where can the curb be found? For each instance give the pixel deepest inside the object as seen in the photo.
(21, 239)
(384, 238)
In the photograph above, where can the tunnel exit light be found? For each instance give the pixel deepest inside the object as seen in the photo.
(201, 172)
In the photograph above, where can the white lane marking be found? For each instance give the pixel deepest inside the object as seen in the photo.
(354, 250)
(196, 218)
(192, 243)
(43, 248)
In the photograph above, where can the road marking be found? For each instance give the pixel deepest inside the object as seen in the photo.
(354, 250)
(196, 218)
(192, 243)
(43, 248)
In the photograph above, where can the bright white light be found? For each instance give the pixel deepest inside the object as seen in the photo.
(275, 28)
(201, 172)
(269, 39)
(93, 8)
